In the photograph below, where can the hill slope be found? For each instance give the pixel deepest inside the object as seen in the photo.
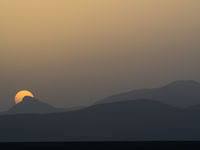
(31, 105)
(120, 121)
(178, 93)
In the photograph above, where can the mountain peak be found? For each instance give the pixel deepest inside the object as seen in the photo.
(32, 105)
(183, 83)
(29, 99)
(180, 93)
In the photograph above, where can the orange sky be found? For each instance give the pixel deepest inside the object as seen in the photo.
(93, 48)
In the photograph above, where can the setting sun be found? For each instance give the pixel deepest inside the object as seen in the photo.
(21, 94)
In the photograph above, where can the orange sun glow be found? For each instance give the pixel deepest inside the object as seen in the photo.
(21, 94)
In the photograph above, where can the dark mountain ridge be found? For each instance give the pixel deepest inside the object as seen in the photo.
(119, 121)
(130, 116)
(179, 93)
(31, 105)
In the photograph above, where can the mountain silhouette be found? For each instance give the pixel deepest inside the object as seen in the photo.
(179, 93)
(34, 106)
(119, 121)
(160, 114)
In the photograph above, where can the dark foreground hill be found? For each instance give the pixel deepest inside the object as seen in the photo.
(179, 93)
(119, 121)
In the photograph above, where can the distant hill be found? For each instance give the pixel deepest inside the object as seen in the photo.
(33, 105)
(179, 93)
(119, 121)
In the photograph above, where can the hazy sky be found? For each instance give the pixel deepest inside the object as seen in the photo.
(74, 52)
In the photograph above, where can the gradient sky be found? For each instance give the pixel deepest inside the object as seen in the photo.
(74, 52)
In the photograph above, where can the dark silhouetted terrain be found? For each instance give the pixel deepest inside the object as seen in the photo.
(178, 93)
(31, 105)
(119, 121)
(168, 113)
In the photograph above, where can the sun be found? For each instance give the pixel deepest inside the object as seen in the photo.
(21, 94)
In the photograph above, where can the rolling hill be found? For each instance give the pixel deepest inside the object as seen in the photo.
(179, 93)
(119, 121)
(31, 105)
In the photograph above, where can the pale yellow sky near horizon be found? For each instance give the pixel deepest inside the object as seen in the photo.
(77, 51)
